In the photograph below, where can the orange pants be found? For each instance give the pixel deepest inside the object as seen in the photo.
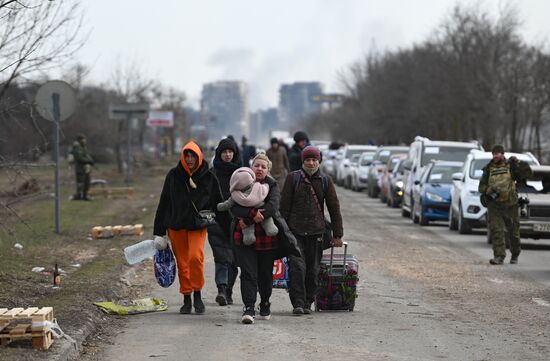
(188, 247)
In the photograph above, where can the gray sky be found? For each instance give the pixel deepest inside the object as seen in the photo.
(186, 43)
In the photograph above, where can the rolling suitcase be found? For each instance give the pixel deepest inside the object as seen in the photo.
(338, 278)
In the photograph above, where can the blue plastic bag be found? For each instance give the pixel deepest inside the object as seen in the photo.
(165, 267)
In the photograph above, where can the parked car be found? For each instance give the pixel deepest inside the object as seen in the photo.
(328, 165)
(385, 185)
(379, 165)
(422, 151)
(396, 186)
(343, 159)
(352, 169)
(432, 192)
(466, 210)
(359, 174)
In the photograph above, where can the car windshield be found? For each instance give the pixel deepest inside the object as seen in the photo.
(476, 167)
(351, 152)
(384, 154)
(451, 154)
(367, 158)
(392, 164)
(443, 174)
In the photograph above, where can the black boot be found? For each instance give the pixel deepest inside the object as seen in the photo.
(197, 302)
(497, 260)
(229, 295)
(221, 298)
(186, 308)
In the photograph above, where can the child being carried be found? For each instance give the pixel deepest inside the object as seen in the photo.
(246, 192)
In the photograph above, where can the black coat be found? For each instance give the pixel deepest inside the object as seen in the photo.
(175, 210)
(295, 158)
(287, 244)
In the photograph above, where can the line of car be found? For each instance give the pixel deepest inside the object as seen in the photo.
(437, 181)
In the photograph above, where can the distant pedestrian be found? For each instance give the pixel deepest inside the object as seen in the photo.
(301, 140)
(83, 162)
(256, 260)
(189, 188)
(498, 191)
(247, 151)
(302, 205)
(277, 154)
(226, 161)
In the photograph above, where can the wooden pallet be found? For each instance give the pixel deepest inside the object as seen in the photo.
(111, 193)
(112, 231)
(25, 323)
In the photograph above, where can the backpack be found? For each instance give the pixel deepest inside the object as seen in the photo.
(297, 177)
(500, 178)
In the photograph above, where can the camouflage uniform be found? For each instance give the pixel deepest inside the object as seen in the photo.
(503, 212)
(83, 167)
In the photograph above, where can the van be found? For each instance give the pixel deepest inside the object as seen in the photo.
(421, 152)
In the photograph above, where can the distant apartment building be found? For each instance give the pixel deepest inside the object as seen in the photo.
(262, 122)
(224, 109)
(295, 102)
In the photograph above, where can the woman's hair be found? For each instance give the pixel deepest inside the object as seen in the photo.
(262, 156)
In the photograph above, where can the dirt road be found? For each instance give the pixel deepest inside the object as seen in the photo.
(421, 297)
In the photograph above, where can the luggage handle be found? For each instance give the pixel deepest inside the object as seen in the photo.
(332, 258)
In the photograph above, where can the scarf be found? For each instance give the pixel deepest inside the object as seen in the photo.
(225, 168)
(311, 171)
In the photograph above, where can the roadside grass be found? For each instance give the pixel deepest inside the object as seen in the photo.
(93, 267)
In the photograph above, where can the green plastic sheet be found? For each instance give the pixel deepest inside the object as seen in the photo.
(132, 307)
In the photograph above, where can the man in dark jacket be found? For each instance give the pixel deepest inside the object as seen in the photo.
(301, 140)
(302, 206)
(247, 151)
(226, 161)
(83, 163)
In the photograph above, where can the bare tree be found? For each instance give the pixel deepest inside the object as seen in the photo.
(35, 36)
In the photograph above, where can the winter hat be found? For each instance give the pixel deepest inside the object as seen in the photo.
(498, 149)
(241, 178)
(273, 141)
(299, 135)
(263, 156)
(311, 152)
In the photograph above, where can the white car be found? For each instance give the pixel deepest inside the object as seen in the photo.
(466, 211)
(344, 157)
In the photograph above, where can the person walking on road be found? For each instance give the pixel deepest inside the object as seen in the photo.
(226, 160)
(247, 151)
(302, 205)
(301, 140)
(189, 188)
(256, 260)
(498, 193)
(83, 168)
(278, 157)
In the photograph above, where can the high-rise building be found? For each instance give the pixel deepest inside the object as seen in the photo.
(262, 122)
(295, 102)
(224, 109)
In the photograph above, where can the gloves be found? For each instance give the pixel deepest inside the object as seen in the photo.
(513, 159)
(160, 243)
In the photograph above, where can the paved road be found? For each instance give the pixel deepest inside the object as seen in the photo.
(424, 294)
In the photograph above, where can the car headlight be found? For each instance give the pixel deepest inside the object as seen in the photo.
(399, 184)
(434, 197)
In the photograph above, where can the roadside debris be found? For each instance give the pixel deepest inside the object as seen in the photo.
(131, 307)
(18, 246)
(38, 269)
(113, 231)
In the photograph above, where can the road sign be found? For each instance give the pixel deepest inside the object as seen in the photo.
(56, 101)
(158, 118)
(326, 98)
(44, 100)
(123, 111)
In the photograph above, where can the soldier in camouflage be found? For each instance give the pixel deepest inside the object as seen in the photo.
(83, 162)
(498, 193)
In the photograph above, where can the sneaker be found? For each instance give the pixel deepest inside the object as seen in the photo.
(514, 260)
(497, 260)
(265, 311)
(248, 316)
(307, 309)
(187, 305)
(298, 311)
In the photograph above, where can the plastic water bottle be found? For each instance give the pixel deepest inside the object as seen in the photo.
(140, 251)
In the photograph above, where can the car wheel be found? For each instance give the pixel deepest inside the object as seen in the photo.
(421, 218)
(389, 202)
(453, 224)
(463, 224)
(405, 213)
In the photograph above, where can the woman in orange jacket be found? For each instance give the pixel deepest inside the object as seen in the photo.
(188, 188)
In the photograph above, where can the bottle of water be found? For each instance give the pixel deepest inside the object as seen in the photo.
(140, 251)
